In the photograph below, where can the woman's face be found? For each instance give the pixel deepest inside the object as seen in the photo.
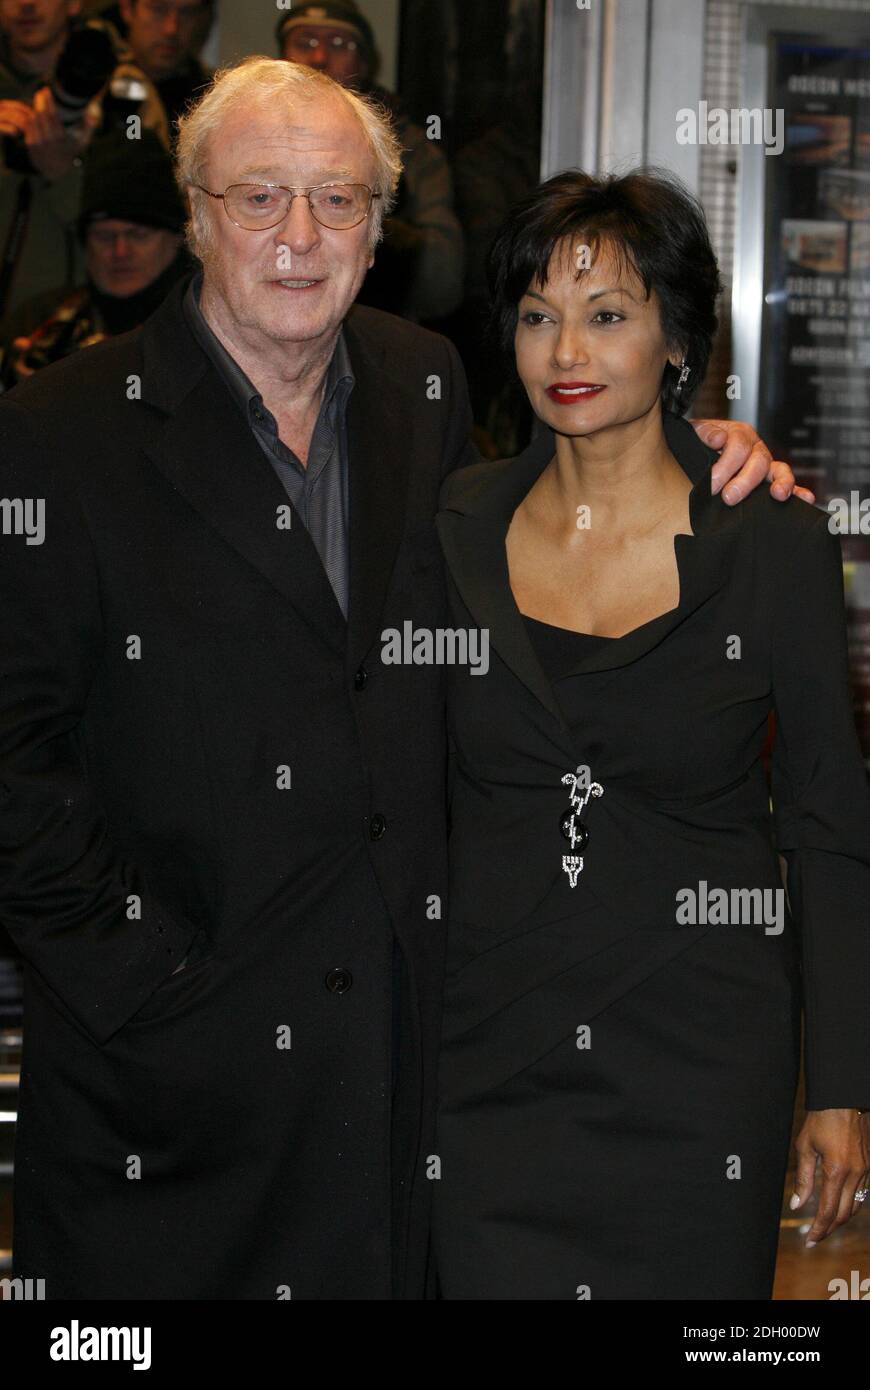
(590, 352)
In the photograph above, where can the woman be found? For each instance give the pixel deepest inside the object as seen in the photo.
(622, 1023)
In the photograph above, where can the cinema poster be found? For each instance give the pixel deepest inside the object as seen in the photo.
(814, 386)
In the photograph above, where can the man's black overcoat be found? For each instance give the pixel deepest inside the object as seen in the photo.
(198, 754)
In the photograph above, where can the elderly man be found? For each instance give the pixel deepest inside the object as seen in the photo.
(221, 814)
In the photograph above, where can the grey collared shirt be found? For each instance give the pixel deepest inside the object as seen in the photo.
(318, 492)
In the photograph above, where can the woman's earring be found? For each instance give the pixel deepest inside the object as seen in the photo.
(684, 375)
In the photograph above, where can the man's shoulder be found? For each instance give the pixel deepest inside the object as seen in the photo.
(377, 330)
(464, 486)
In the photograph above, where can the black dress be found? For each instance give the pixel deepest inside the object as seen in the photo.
(618, 1074)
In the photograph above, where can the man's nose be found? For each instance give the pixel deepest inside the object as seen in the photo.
(171, 23)
(300, 229)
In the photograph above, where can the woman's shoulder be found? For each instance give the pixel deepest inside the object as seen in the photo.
(795, 546)
(784, 525)
(462, 487)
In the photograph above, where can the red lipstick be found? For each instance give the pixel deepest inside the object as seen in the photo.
(570, 392)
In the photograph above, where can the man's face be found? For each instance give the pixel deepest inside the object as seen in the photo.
(164, 34)
(31, 25)
(292, 283)
(328, 48)
(590, 352)
(125, 257)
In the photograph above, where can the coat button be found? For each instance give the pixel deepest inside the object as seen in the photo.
(339, 981)
(360, 679)
(377, 826)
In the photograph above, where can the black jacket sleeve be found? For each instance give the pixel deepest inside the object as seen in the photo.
(83, 918)
(821, 804)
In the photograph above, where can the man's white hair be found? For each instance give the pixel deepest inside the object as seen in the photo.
(258, 82)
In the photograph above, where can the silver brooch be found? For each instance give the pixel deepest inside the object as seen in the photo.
(574, 830)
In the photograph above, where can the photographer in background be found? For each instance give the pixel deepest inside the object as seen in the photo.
(165, 37)
(419, 267)
(131, 226)
(60, 80)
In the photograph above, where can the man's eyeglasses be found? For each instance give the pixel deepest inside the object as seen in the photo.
(257, 206)
(303, 42)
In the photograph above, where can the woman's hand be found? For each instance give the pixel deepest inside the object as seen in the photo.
(746, 461)
(841, 1139)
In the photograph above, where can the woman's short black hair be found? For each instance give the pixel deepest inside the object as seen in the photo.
(651, 223)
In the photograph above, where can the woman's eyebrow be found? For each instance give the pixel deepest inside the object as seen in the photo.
(614, 289)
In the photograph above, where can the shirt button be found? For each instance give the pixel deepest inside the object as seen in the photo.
(377, 826)
(360, 679)
(339, 981)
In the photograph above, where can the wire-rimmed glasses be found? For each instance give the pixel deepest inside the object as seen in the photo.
(258, 206)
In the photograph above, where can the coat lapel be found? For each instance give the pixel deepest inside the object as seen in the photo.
(473, 529)
(378, 431)
(472, 533)
(209, 454)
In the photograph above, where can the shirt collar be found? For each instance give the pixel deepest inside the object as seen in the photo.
(243, 389)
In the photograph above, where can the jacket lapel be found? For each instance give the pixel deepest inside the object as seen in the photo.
(379, 429)
(703, 559)
(472, 532)
(474, 525)
(209, 454)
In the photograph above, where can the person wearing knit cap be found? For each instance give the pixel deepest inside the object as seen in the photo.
(131, 226)
(419, 269)
(332, 35)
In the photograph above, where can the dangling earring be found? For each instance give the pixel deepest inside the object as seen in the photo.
(684, 375)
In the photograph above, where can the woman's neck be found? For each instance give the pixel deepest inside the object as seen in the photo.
(626, 476)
